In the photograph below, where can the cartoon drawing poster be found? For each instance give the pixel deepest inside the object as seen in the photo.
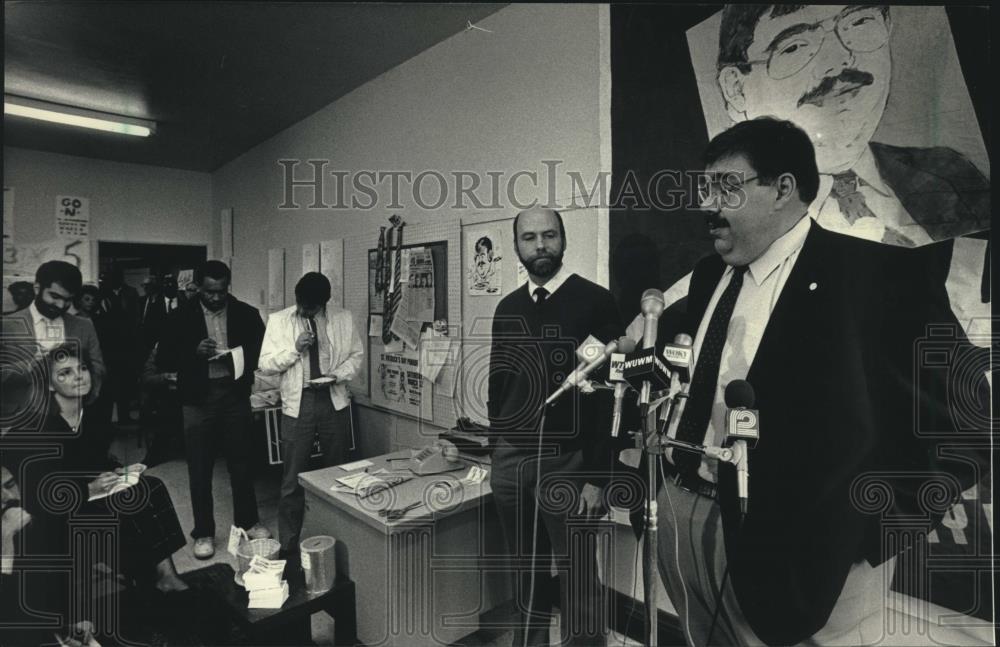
(485, 262)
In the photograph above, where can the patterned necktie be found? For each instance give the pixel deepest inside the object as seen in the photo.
(541, 294)
(853, 206)
(396, 295)
(701, 396)
(314, 369)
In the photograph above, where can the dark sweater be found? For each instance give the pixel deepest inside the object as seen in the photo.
(533, 351)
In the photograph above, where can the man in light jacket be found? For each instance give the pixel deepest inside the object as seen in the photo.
(316, 349)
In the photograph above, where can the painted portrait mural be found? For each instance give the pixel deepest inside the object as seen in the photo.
(881, 93)
(884, 93)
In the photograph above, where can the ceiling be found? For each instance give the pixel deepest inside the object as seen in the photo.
(217, 77)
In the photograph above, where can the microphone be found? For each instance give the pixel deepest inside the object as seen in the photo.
(585, 369)
(678, 357)
(742, 429)
(625, 346)
(651, 306)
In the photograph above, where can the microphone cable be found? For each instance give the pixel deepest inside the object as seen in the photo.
(534, 525)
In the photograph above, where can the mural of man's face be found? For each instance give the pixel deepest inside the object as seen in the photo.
(824, 67)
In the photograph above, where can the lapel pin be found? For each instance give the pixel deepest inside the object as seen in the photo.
(813, 286)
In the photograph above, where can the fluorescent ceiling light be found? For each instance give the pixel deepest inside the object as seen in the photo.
(69, 116)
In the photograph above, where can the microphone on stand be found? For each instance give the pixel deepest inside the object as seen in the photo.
(625, 347)
(742, 433)
(585, 369)
(652, 305)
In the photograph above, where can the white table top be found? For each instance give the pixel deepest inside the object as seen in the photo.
(442, 495)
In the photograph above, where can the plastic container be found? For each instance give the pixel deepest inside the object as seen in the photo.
(266, 548)
(318, 563)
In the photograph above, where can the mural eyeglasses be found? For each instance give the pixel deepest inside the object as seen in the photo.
(859, 29)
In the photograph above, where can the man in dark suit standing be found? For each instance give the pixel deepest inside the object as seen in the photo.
(825, 328)
(215, 396)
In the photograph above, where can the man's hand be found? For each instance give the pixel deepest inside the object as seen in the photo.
(206, 348)
(80, 635)
(591, 502)
(304, 341)
(102, 484)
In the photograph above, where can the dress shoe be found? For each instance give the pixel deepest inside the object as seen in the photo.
(259, 532)
(204, 547)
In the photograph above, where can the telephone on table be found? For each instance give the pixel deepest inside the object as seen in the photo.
(442, 456)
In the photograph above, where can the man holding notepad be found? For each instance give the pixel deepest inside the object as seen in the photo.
(213, 343)
(315, 348)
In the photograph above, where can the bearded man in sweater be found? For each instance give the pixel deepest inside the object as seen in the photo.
(548, 472)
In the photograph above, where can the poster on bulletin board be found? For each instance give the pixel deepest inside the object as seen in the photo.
(397, 378)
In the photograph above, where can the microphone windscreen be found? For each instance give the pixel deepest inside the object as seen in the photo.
(626, 345)
(740, 395)
(652, 302)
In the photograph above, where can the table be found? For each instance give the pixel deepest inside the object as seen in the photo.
(426, 578)
(290, 624)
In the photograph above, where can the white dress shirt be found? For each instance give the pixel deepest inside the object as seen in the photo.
(762, 285)
(49, 333)
(551, 285)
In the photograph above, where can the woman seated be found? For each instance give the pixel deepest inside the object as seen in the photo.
(138, 507)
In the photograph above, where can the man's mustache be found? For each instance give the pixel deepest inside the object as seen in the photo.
(848, 76)
(715, 221)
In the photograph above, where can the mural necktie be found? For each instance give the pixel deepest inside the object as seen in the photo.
(853, 206)
(701, 396)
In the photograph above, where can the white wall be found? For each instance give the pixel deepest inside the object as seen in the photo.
(128, 202)
(501, 101)
(479, 102)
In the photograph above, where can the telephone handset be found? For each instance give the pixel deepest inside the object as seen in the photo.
(442, 456)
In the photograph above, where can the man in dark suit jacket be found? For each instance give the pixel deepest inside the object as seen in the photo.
(215, 399)
(43, 325)
(828, 330)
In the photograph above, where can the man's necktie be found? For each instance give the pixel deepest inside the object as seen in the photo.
(541, 294)
(314, 369)
(853, 206)
(704, 382)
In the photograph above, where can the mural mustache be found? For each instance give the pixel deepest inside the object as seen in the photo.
(848, 80)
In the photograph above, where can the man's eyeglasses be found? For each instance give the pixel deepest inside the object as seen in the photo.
(724, 186)
(860, 29)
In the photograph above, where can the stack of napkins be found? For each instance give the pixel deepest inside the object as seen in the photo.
(263, 580)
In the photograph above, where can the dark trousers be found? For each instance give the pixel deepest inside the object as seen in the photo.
(317, 418)
(569, 541)
(224, 416)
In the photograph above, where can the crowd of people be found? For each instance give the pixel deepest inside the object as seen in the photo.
(74, 354)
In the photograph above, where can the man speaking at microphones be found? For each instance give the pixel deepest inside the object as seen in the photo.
(551, 460)
(823, 327)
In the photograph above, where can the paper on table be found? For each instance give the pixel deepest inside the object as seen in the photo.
(356, 465)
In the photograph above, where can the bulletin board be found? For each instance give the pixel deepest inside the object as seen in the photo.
(442, 239)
